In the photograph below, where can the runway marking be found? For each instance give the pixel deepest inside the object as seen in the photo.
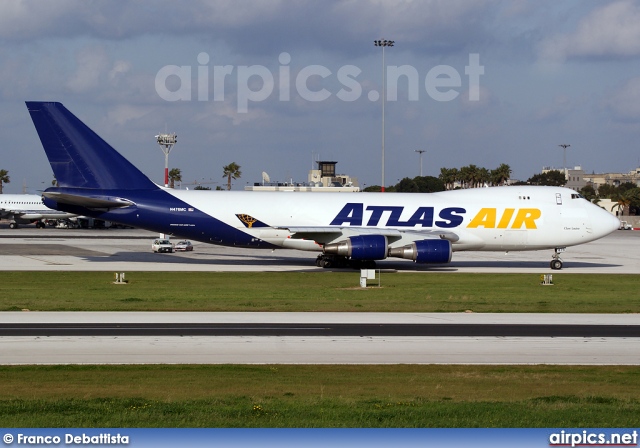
(47, 262)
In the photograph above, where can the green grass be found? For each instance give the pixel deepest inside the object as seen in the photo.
(318, 291)
(319, 396)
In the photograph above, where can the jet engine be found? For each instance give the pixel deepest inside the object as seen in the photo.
(361, 247)
(424, 251)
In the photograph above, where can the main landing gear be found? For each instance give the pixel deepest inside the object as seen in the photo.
(339, 262)
(556, 262)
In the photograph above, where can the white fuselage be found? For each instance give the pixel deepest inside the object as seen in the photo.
(490, 219)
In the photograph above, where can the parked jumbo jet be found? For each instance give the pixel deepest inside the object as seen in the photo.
(28, 208)
(354, 229)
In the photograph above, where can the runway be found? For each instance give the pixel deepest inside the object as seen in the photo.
(293, 338)
(311, 338)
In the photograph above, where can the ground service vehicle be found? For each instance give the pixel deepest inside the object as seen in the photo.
(161, 245)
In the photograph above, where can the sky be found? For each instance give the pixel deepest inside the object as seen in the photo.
(274, 85)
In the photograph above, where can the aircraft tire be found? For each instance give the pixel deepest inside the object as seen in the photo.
(556, 265)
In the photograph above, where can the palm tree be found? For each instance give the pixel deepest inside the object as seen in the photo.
(4, 178)
(175, 175)
(484, 177)
(624, 200)
(463, 176)
(446, 176)
(443, 176)
(455, 176)
(470, 175)
(231, 171)
(501, 174)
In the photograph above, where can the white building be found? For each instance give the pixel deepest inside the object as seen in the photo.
(322, 179)
(575, 177)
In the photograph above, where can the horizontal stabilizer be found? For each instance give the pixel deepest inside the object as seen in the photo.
(87, 201)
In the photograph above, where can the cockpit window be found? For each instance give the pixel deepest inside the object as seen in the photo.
(577, 196)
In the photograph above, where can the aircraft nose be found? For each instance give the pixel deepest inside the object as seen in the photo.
(604, 223)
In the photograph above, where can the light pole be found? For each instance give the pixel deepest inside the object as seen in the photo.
(383, 43)
(564, 158)
(420, 151)
(166, 142)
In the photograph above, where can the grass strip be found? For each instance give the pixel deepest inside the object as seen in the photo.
(318, 291)
(319, 396)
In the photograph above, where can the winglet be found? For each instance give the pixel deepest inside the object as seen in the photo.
(78, 156)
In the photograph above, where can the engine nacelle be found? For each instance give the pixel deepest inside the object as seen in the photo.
(424, 251)
(361, 247)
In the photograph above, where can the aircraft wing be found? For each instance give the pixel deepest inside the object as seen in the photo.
(328, 234)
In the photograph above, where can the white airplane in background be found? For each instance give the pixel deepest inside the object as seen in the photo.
(348, 229)
(26, 209)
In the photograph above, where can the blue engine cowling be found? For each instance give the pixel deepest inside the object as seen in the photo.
(361, 247)
(424, 251)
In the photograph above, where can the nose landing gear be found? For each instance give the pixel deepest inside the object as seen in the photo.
(556, 262)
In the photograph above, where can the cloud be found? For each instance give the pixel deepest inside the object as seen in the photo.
(485, 101)
(561, 107)
(124, 113)
(251, 26)
(91, 66)
(120, 69)
(609, 31)
(624, 103)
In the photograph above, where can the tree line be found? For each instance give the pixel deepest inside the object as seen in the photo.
(471, 176)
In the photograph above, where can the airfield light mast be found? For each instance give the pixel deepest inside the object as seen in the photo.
(383, 43)
(564, 158)
(420, 151)
(166, 142)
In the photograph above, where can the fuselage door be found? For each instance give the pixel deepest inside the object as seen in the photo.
(559, 198)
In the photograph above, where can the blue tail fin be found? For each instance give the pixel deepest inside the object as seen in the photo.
(78, 156)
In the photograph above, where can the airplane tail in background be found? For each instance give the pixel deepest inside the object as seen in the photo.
(78, 156)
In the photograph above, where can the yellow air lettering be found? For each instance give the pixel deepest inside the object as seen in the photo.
(526, 217)
(506, 218)
(486, 218)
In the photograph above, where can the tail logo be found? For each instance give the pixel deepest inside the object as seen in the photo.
(250, 222)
